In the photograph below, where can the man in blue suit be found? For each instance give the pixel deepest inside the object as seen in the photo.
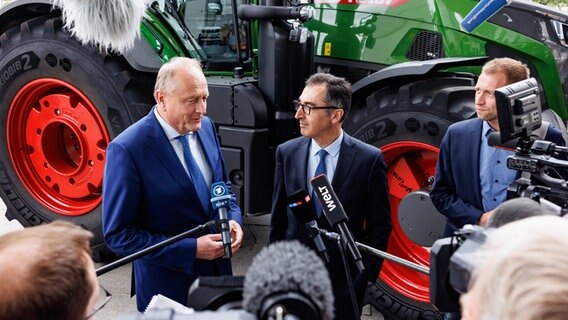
(152, 190)
(472, 177)
(357, 173)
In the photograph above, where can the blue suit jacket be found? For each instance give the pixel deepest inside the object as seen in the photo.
(148, 197)
(456, 192)
(360, 184)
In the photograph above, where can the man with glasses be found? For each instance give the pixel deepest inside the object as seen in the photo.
(356, 171)
(46, 272)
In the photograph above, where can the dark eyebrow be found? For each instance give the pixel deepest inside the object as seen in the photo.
(307, 103)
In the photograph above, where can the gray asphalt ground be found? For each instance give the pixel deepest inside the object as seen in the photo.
(118, 281)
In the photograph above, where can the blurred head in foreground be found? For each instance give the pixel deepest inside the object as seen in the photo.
(46, 272)
(524, 273)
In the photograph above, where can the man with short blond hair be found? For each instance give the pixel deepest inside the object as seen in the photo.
(472, 177)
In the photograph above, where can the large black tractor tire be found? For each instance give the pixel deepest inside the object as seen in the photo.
(407, 121)
(60, 105)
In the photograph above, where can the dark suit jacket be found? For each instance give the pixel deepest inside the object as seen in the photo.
(456, 192)
(360, 184)
(148, 197)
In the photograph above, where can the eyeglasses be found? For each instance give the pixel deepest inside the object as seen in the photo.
(103, 298)
(307, 109)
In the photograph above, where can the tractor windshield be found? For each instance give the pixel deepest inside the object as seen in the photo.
(212, 23)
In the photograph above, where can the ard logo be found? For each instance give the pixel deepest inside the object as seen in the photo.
(219, 190)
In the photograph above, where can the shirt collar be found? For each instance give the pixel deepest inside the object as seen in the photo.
(332, 149)
(170, 132)
(487, 129)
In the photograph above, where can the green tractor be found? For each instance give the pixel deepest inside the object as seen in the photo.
(411, 65)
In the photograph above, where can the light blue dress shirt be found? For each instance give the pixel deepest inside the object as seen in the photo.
(330, 161)
(494, 175)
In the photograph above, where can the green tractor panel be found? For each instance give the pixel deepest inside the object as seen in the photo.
(411, 65)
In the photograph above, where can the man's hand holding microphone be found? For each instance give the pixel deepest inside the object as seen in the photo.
(213, 246)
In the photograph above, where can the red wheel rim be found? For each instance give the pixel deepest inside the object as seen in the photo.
(57, 142)
(410, 164)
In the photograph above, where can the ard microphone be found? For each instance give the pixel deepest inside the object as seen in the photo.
(303, 209)
(221, 200)
(333, 211)
(291, 275)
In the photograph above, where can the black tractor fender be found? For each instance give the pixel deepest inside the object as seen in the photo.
(411, 69)
(20, 10)
(141, 57)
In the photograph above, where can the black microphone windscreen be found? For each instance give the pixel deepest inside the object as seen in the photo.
(515, 209)
(288, 266)
(302, 206)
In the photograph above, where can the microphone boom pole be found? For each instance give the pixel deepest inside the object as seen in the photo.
(336, 216)
(392, 258)
(376, 252)
(120, 262)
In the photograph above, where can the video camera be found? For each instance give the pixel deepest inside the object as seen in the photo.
(542, 163)
(452, 262)
(543, 170)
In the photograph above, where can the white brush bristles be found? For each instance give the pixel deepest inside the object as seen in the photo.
(107, 24)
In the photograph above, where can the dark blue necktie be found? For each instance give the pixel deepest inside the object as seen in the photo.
(319, 170)
(195, 174)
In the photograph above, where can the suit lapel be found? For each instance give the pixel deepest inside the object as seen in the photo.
(208, 146)
(474, 140)
(159, 144)
(298, 167)
(345, 161)
(206, 136)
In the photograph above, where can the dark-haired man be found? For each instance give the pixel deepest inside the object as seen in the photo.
(357, 173)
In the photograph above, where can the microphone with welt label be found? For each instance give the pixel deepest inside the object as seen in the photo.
(303, 209)
(221, 200)
(335, 214)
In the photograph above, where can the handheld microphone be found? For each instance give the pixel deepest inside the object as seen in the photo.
(335, 214)
(290, 275)
(220, 200)
(303, 209)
